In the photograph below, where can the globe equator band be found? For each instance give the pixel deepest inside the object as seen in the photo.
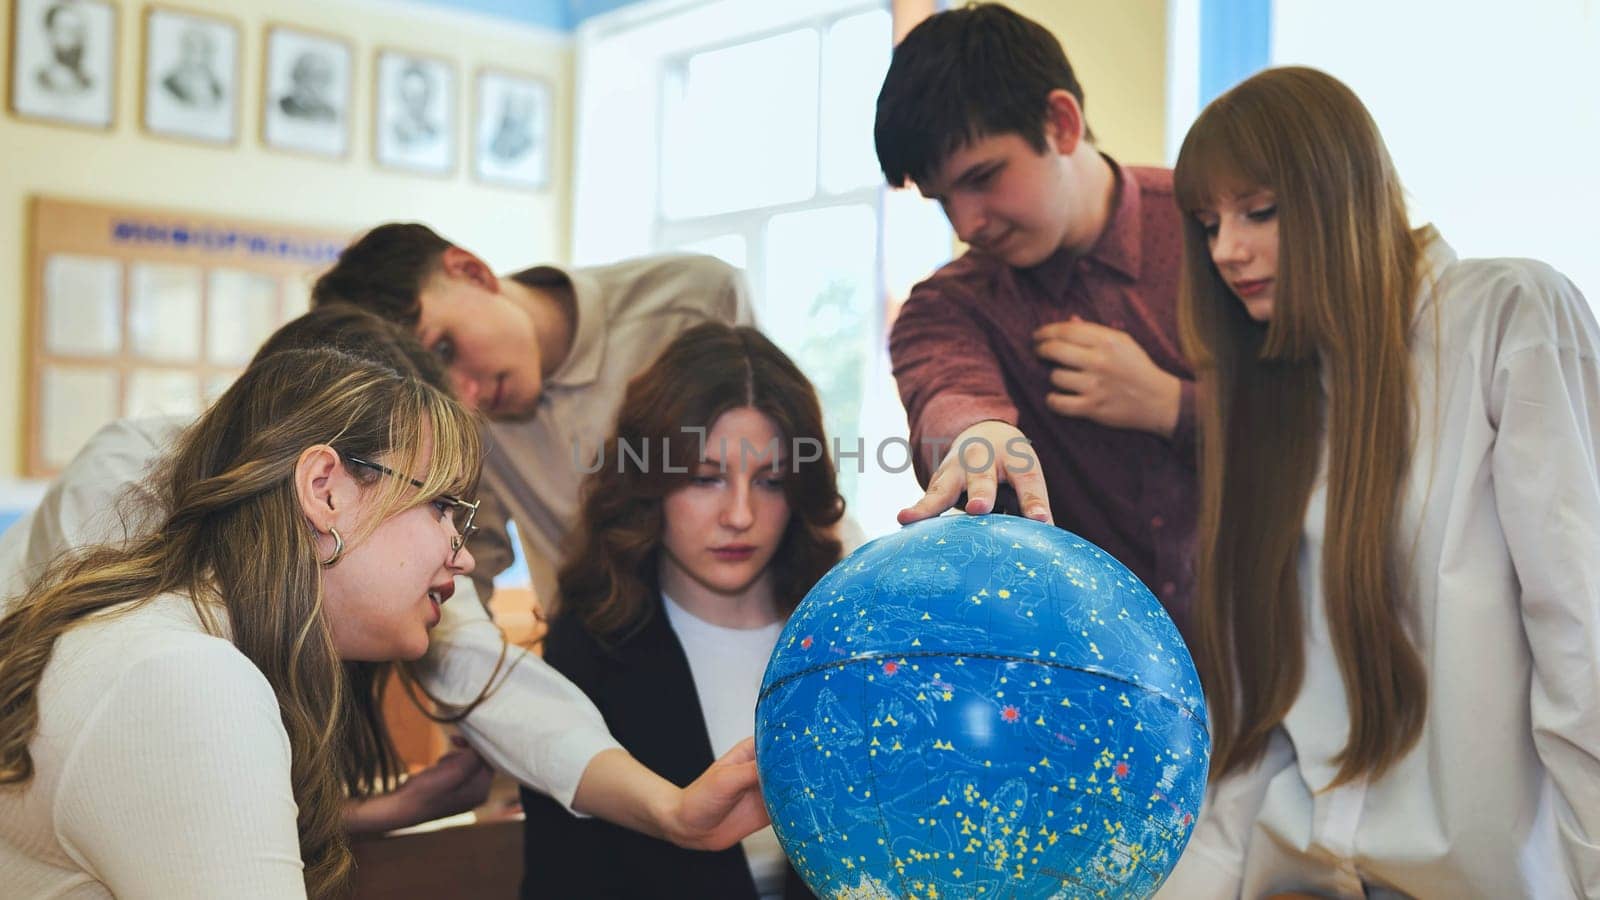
(1003, 657)
(1059, 733)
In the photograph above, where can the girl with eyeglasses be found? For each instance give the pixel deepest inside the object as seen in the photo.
(1397, 611)
(688, 559)
(175, 714)
(523, 718)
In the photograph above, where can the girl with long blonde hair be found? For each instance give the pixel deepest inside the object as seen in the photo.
(1397, 609)
(176, 711)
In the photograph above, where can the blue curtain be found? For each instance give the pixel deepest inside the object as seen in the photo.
(1235, 43)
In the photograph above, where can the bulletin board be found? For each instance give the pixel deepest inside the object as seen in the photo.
(135, 311)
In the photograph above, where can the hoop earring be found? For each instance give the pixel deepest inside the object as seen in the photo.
(338, 548)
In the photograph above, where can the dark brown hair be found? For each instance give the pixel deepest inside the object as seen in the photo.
(1348, 273)
(340, 325)
(611, 573)
(964, 74)
(384, 271)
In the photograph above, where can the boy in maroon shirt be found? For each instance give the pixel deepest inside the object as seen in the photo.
(1047, 355)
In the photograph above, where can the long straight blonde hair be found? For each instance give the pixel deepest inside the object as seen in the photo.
(1348, 272)
(232, 537)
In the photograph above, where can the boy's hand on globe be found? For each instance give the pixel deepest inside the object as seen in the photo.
(980, 458)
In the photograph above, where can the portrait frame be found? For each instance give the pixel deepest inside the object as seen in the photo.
(307, 91)
(414, 113)
(191, 75)
(513, 116)
(63, 68)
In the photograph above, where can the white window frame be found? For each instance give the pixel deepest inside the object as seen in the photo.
(611, 227)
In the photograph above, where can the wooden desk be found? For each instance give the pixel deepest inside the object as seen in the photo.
(481, 861)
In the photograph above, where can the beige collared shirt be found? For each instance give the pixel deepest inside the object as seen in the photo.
(627, 313)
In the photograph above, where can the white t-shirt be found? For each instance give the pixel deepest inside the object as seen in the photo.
(727, 665)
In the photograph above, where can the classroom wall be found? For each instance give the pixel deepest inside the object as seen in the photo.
(1118, 48)
(126, 165)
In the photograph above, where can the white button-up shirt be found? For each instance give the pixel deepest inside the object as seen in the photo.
(1500, 526)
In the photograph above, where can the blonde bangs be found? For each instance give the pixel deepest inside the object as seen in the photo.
(457, 445)
(436, 441)
(431, 438)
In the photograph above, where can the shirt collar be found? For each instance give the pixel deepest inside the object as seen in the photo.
(1437, 255)
(1118, 245)
(582, 365)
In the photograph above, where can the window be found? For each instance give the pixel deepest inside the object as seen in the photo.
(763, 156)
(1491, 111)
(1492, 115)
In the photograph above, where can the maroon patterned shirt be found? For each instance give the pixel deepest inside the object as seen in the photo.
(962, 350)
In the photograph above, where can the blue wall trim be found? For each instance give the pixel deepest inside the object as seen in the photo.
(558, 15)
(550, 14)
(580, 11)
(1235, 43)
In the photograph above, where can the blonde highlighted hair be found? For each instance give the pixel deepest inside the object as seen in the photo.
(232, 536)
(1348, 274)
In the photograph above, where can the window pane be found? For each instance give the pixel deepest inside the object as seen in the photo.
(730, 248)
(819, 306)
(916, 240)
(1485, 204)
(855, 59)
(740, 127)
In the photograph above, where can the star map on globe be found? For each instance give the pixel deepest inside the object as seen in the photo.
(981, 706)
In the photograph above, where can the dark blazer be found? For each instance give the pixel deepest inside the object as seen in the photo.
(646, 693)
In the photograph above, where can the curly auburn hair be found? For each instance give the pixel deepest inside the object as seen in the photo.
(610, 576)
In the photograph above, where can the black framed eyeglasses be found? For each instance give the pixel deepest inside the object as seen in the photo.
(462, 512)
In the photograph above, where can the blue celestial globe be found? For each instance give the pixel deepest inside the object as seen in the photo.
(981, 707)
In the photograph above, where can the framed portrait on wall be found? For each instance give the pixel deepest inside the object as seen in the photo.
(306, 92)
(63, 61)
(415, 118)
(191, 75)
(511, 131)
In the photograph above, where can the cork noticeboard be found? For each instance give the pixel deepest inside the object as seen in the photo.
(135, 311)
